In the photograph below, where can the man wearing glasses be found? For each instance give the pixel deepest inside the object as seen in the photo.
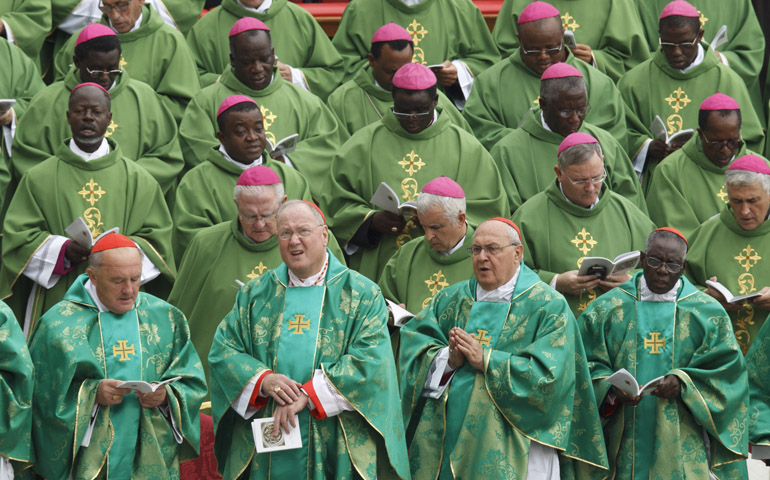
(693, 424)
(578, 216)
(493, 112)
(525, 156)
(673, 83)
(482, 368)
(689, 187)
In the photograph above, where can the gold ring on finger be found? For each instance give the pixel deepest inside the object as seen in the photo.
(394, 229)
(277, 389)
(115, 398)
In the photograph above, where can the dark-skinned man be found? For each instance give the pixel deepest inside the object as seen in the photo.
(286, 109)
(88, 177)
(366, 97)
(688, 187)
(141, 123)
(526, 156)
(410, 146)
(493, 112)
(681, 74)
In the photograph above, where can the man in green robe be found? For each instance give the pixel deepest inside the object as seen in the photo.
(153, 52)
(25, 23)
(525, 156)
(410, 146)
(141, 124)
(693, 423)
(286, 109)
(608, 33)
(306, 56)
(494, 112)
(366, 97)
(671, 85)
(102, 334)
(494, 382)
(88, 177)
(688, 187)
(311, 303)
(578, 216)
(730, 248)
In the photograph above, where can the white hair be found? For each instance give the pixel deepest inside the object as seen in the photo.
(513, 235)
(293, 203)
(743, 178)
(260, 191)
(452, 207)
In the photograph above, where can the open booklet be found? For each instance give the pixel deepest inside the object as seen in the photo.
(400, 315)
(604, 267)
(6, 104)
(79, 232)
(659, 130)
(386, 199)
(624, 381)
(262, 428)
(729, 297)
(284, 147)
(144, 387)
(720, 38)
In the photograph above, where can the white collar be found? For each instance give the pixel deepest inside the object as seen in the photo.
(501, 294)
(411, 3)
(91, 289)
(295, 281)
(698, 60)
(456, 247)
(545, 124)
(238, 164)
(136, 26)
(260, 9)
(104, 149)
(570, 201)
(648, 295)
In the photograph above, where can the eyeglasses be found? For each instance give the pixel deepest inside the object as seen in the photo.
(303, 232)
(730, 143)
(489, 249)
(593, 180)
(118, 7)
(255, 218)
(99, 73)
(682, 46)
(411, 115)
(536, 52)
(581, 112)
(655, 263)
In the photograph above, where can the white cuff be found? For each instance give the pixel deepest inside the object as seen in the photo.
(298, 79)
(465, 79)
(543, 463)
(287, 161)
(84, 14)
(6, 469)
(8, 33)
(641, 158)
(87, 437)
(149, 270)
(41, 265)
(350, 248)
(553, 282)
(331, 401)
(8, 132)
(165, 410)
(241, 402)
(439, 367)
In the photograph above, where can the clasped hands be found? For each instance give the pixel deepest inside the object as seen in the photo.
(107, 393)
(290, 399)
(464, 346)
(670, 387)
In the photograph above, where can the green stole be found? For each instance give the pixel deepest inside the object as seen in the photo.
(302, 308)
(123, 360)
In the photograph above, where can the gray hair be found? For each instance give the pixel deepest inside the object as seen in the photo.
(743, 178)
(452, 207)
(260, 191)
(578, 154)
(553, 88)
(513, 235)
(665, 235)
(96, 260)
(299, 203)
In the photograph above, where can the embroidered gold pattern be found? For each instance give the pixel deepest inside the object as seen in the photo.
(298, 324)
(123, 351)
(654, 343)
(584, 241)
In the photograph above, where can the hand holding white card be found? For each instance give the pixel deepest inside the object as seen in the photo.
(400, 315)
(144, 387)
(624, 381)
(266, 442)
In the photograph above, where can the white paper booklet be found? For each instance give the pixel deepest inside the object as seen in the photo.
(659, 130)
(386, 199)
(6, 104)
(144, 387)
(569, 39)
(720, 38)
(283, 147)
(604, 267)
(79, 232)
(626, 382)
(728, 294)
(400, 315)
(266, 442)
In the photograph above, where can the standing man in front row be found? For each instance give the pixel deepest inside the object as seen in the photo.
(694, 425)
(103, 333)
(519, 404)
(308, 338)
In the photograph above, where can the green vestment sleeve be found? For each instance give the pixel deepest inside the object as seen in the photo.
(184, 13)
(757, 364)
(29, 22)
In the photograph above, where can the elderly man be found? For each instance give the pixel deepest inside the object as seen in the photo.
(681, 74)
(688, 187)
(730, 247)
(141, 124)
(88, 177)
(494, 352)
(692, 425)
(351, 377)
(366, 97)
(578, 216)
(410, 146)
(203, 196)
(493, 112)
(525, 155)
(120, 335)
(286, 109)
(153, 52)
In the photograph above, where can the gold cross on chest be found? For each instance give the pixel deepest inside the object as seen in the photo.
(654, 343)
(298, 324)
(123, 351)
(482, 337)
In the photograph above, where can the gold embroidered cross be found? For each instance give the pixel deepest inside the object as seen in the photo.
(298, 324)
(678, 99)
(436, 282)
(417, 31)
(584, 241)
(122, 62)
(568, 22)
(702, 19)
(748, 257)
(257, 271)
(409, 165)
(482, 337)
(93, 191)
(122, 350)
(722, 194)
(268, 118)
(654, 343)
(111, 129)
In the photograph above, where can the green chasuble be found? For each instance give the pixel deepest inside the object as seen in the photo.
(656, 88)
(29, 22)
(107, 192)
(141, 125)
(758, 366)
(75, 347)
(687, 188)
(360, 102)
(385, 152)
(721, 248)
(184, 13)
(205, 195)
(526, 157)
(441, 30)
(610, 27)
(155, 54)
(692, 340)
(416, 272)
(16, 385)
(533, 361)
(560, 234)
(356, 359)
(298, 39)
(286, 110)
(493, 111)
